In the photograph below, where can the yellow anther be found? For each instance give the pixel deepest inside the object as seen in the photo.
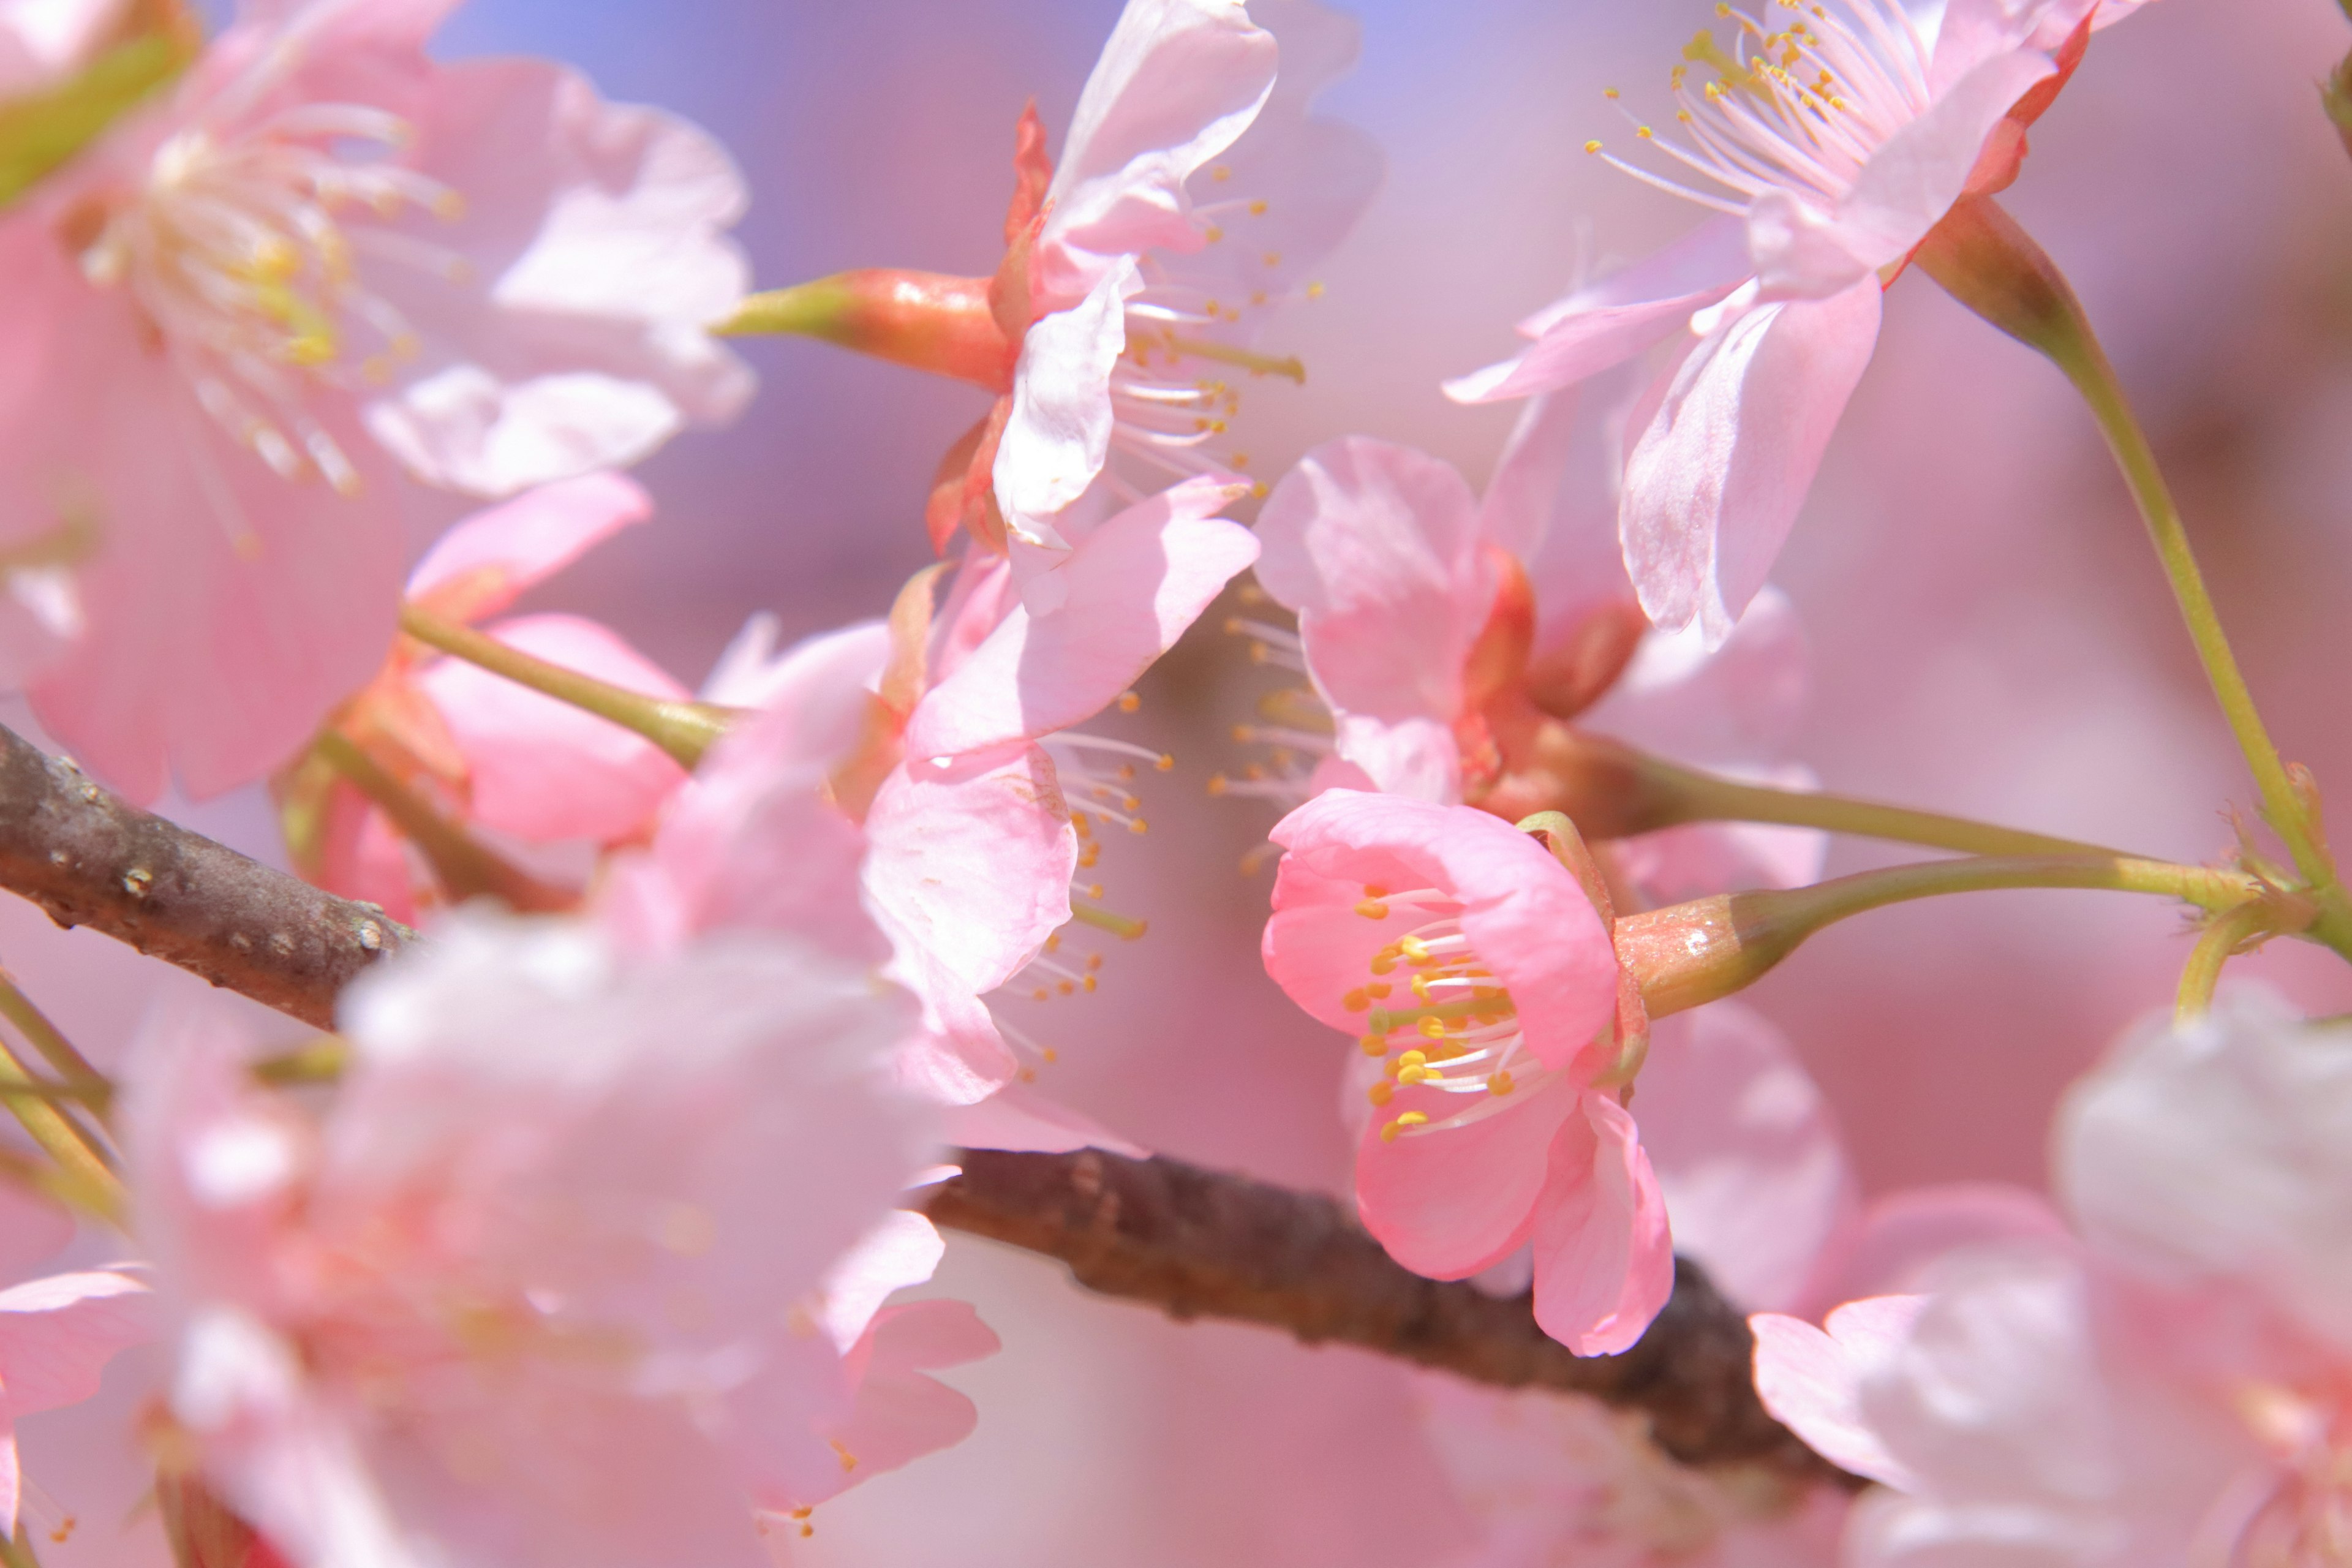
(1421, 986)
(1219, 784)
(1315, 290)
(1409, 1075)
(1372, 910)
(1592, 146)
(1094, 889)
(1051, 1055)
(1213, 233)
(1041, 995)
(448, 206)
(1609, 93)
(1220, 174)
(1064, 987)
(1356, 1001)
(1413, 1059)
(1643, 132)
(1376, 989)
(1382, 1092)
(1432, 1029)
(1164, 763)
(1410, 1118)
(1499, 1082)
(1272, 258)
(1128, 702)
(848, 1460)
(1383, 961)
(1257, 208)
(1137, 826)
(313, 349)
(1374, 1045)
(1414, 949)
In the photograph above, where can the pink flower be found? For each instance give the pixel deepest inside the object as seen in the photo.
(2168, 1388)
(552, 1280)
(242, 313)
(537, 782)
(57, 1334)
(1501, 1118)
(1832, 146)
(919, 790)
(1449, 637)
(1193, 193)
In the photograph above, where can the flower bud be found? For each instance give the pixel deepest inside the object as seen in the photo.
(928, 320)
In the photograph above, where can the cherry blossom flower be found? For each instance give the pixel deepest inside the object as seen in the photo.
(1448, 636)
(1831, 146)
(58, 1331)
(537, 782)
(920, 789)
(1501, 1116)
(326, 259)
(570, 1272)
(2166, 1386)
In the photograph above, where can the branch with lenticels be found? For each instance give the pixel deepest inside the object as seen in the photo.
(1194, 1242)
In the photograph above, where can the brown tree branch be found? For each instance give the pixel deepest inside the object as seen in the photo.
(1193, 1242)
(91, 859)
(1200, 1243)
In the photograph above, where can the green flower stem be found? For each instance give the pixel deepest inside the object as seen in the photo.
(82, 1081)
(1990, 265)
(83, 1160)
(2220, 941)
(1632, 792)
(1691, 953)
(684, 730)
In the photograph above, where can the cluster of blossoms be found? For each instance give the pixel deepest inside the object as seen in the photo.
(578, 1240)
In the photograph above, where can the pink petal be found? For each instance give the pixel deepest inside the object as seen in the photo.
(1418, 758)
(1448, 1202)
(1617, 318)
(814, 692)
(596, 234)
(1134, 586)
(1552, 502)
(1178, 82)
(1907, 1234)
(1811, 1381)
(1058, 434)
(903, 1251)
(1719, 475)
(899, 1415)
(1018, 1117)
(960, 1058)
(57, 1334)
(480, 565)
(1736, 704)
(970, 858)
(1604, 1257)
(545, 770)
(1746, 1150)
(1973, 32)
(1379, 550)
(1909, 183)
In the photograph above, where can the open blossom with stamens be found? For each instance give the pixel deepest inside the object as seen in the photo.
(1499, 1036)
(579, 1267)
(1834, 137)
(932, 772)
(2168, 1385)
(537, 783)
(1450, 638)
(326, 259)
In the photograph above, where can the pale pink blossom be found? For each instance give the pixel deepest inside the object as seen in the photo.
(1481, 980)
(57, 1331)
(918, 790)
(1194, 193)
(324, 260)
(1444, 634)
(2168, 1386)
(559, 1275)
(539, 783)
(1832, 145)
